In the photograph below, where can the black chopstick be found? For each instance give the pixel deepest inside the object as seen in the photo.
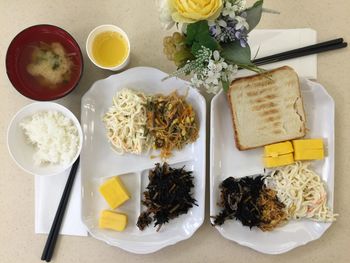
(57, 222)
(302, 49)
(300, 52)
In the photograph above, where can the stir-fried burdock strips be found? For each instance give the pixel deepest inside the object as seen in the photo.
(172, 122)
(273, 211)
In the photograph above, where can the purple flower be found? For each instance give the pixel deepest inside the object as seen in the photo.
(214, 31)
(229, 33)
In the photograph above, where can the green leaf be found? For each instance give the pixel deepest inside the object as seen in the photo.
(198, 34)
(207, 41)
(195, 29)
(195, 48)
(253, 68)
(225, 85)
(236, 54)
(254, 14)
(191, 33)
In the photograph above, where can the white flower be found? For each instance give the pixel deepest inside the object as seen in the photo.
(196, 82)
(213, 76)
(165, 11)
(230, 10)
(218, 24)
(216, 55)
(184, 28)
(222, 23)
(241, 22)
(241, 5)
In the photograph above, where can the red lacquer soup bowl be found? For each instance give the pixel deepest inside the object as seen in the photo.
(19, 58)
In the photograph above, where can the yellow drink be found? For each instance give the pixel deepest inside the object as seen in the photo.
(109, 49)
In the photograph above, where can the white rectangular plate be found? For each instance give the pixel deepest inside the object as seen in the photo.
(99, 162)
(226, 160)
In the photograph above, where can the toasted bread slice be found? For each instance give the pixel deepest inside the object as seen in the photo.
(267, 108)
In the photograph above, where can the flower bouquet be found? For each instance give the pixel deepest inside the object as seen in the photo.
(212, 43)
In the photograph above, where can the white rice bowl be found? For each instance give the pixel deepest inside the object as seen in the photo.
(61, 138)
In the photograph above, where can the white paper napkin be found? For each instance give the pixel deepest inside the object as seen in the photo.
(270, 42)
(48, 192)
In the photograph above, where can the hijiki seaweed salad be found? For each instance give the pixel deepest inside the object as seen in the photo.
(168, 195)
(248, 200)
(270, 200)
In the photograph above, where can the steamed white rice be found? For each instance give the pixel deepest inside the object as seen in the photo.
(54, 135)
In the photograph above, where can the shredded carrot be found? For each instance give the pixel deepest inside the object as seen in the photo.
(172, 122)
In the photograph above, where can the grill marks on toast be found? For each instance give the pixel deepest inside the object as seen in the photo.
(275, 124)
(264, 106)
(266, 103)
(273, 118)
(277, 131)
(264, 110)
(269, 112)
(265, 98)
(255, 93)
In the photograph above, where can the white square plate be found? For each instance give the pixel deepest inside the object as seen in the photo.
(99, 162)
(226, 160)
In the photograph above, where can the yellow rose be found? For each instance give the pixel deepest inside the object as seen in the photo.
(190, 11)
